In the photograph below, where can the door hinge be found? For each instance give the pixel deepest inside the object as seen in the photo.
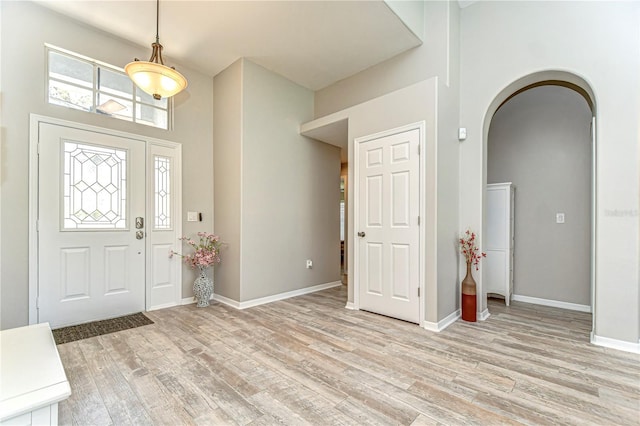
(418, 220)
(37, 226)
(418, 291)
(418, 149)
(37, 303)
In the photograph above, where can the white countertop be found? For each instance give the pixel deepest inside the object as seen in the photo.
(31, 373)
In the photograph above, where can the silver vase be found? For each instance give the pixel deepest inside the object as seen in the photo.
(202, 288)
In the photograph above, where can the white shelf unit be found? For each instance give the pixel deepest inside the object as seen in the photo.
(499, 240)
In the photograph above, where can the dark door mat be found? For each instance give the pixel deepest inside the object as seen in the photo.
(97, 328)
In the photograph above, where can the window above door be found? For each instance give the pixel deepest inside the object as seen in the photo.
(78, 82)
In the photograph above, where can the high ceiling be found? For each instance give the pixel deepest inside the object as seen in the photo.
(313, 43)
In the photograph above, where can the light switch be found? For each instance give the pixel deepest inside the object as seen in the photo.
(192, 216)
(559, 217)
(462, 133)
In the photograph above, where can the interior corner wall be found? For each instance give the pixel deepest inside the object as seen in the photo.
(26, 27)
(540, 140)
(438, 59)
(502, 43)
(290, 190)
(227, 179)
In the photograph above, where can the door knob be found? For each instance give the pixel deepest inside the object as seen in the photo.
(361, 234)
(139, 235)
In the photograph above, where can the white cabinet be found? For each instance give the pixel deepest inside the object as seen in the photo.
(499, 240)
(32, 379)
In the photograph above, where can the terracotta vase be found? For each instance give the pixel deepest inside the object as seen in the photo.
(469, 296)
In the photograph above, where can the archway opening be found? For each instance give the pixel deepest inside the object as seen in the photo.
(538, 135)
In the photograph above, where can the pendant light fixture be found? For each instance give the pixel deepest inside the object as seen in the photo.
(154, 77)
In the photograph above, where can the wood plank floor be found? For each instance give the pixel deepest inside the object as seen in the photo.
(307, 360)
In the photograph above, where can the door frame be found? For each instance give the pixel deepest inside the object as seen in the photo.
(34, 136)
(421, 127)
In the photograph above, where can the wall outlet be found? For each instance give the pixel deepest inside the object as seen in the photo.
(559, 217)
(309, 264)
(192, 216)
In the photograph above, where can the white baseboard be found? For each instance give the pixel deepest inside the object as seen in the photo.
(443, 323)
(351, 306)
(482, 316)
(620, 345)
(164, 306)
(192, 299)
(268, 299)
(552, 303)
(188, 300)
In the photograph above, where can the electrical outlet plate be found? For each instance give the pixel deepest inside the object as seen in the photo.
(559, 217)
(309, 264)
(192, 216)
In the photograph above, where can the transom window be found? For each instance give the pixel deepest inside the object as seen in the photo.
(78, 82)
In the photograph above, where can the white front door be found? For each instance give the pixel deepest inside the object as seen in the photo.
(388, 239)
(91, 247)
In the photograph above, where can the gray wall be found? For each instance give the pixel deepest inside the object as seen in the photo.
(25, 28)
(437, 57)
(290, 190)
(276, 193)
(540, 140)
(227, 167)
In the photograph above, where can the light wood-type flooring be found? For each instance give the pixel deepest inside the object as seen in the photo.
(308, 360)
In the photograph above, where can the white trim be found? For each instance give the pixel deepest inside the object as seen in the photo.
(594, 217)
(188, 300)
(165, 305)
(267, 299)
(482, 316)
(443, 323)
(351, 306)
(552, 303)
(620, 345)
(33, 219)
(421, 127)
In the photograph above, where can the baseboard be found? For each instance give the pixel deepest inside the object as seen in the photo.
(188, 300)
(275, 297)
(227, 301)
(620, 345)
(552, 303)
(482, 316)
(443, 323)
(165, 305)
(192, 299)
(351, 306)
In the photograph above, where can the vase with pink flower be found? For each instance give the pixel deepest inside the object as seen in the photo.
(471, 253)
(206, 254)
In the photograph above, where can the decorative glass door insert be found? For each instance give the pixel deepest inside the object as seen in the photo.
(95, 187)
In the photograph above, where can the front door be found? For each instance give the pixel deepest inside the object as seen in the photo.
(388, 264)
(91, 218)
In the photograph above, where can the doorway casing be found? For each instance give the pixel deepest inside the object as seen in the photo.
(153, 145)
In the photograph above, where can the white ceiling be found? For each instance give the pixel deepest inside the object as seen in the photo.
(313, 43)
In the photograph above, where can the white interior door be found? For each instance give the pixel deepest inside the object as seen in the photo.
(388, 240)
(91, 255)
